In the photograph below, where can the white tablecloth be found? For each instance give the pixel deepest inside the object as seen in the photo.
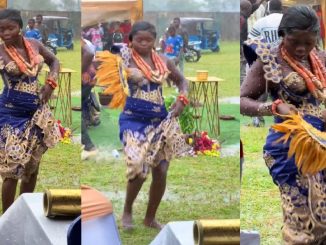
(24, 223)
(175, 233)
(181, 233)
(249, 238)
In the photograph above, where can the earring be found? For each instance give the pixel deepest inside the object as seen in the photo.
(20, 32)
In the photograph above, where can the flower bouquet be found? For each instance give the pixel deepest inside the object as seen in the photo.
(65, 134)
(203, 145)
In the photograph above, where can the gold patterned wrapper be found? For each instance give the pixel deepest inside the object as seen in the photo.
(209, 232)
(62, 202)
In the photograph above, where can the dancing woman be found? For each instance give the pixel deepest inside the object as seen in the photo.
(150, 134)
(294, 74)
(27, 127)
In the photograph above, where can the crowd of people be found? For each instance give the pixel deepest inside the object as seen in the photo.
(104, 35)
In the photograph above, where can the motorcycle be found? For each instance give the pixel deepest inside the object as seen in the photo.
(51, 44)
(192, 51)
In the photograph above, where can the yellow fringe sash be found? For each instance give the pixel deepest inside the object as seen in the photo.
(308, 144)
(111, 75)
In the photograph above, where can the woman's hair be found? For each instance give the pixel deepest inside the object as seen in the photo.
(13, 15)
(142, 26)
(300, 17)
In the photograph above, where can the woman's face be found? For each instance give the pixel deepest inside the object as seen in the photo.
(9, 31)
(143, 42)
(299, 44)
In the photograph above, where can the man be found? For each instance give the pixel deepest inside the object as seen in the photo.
(43, 29)
(174, 44)
(88, 81)
(183, 33)
(31, 32)
(173, 47)
(255, 5)
(245, 11)
(267, 26)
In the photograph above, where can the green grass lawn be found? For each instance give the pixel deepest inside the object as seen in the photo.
(196, 188)
(70, 59)
(224, 64)
(107, 133)
(260, 198)
(60, 168)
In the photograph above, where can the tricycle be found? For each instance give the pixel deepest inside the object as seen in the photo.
(60, 33)
(203, 33)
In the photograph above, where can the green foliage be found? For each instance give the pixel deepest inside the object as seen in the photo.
(186, 120)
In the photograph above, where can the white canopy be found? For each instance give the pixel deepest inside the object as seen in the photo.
(96, 11)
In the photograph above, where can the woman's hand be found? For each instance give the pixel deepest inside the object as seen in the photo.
(135, 74)
(45, 93)
(177, 108)
(286, 109)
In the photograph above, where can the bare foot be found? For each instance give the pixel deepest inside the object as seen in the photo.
(126, 221)
(153, 224)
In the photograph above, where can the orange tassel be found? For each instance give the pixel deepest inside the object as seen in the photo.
(308, 144)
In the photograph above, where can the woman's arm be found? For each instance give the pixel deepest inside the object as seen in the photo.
(52, 78)
(182, 84)
(252, 88)
(177, 77)
(50, 59)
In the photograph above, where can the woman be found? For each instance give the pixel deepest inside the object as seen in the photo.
(96, 33)
(151, 135)
(285, 71)
(27, 127)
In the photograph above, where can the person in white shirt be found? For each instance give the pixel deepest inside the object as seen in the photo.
(267, 26)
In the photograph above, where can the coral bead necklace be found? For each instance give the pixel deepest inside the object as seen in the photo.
(315, 80)
(28, 68)
(161, 72)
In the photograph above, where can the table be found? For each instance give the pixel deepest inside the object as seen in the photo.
(203, 96)
(62, 103)
(24, 223)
